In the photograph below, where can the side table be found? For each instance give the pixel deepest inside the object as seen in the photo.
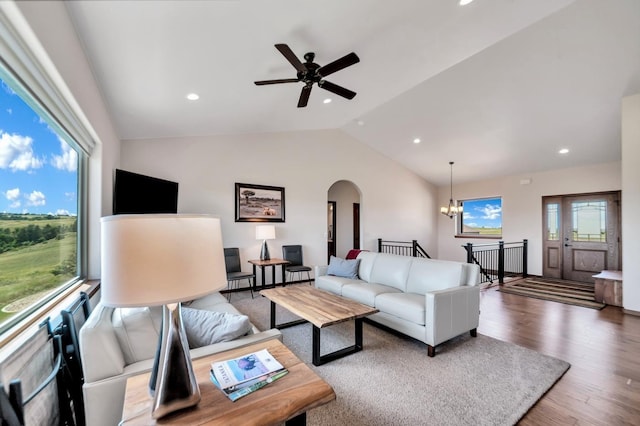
(272, 263)
(285, 400)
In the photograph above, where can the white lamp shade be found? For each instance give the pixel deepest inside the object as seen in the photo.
(265, 232)
(155, 259)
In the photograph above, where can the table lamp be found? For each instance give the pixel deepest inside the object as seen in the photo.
(264, 233)
(163, 259)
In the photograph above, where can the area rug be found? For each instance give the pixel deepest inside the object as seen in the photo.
(569, 292)
(392, 381)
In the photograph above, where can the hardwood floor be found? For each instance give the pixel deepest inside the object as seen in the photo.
(602, 387)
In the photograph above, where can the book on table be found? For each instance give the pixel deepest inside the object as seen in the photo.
(240, 376)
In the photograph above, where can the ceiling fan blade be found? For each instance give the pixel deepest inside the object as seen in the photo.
(338, 90)
(304, 96)
(338, 64)
(283, 80)
(291, 57)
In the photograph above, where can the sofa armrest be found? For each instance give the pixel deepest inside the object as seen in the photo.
(451, 312)
(321, 270)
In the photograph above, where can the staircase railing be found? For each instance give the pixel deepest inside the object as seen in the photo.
(497, 260)
(403, 248)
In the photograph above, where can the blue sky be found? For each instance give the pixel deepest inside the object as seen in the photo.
(485, 213)
(38, 170)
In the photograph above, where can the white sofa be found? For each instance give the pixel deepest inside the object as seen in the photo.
(118, 343)
(429, 300)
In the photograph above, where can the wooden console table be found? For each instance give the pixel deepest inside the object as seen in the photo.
(264, 263)
(285, 400)
(608, 287)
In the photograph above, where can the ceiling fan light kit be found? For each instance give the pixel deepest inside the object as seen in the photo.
(309, 73)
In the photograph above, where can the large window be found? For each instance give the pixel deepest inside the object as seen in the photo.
(40, 168)
(481, 217)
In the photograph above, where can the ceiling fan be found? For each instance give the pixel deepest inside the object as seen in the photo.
(309, 72)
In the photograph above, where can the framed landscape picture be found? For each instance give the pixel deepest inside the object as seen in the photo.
(259, 203)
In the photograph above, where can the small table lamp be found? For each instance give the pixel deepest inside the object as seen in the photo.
(163, 259)
(264, 233)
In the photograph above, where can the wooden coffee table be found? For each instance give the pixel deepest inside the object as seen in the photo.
(286, 400)
(321, 309)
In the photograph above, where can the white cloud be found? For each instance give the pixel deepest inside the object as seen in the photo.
(36, 198)
(491, 211)
(13, 195)
(16, 153)
(62, 212)
(10, 111)
(467, 215)
(68, 160)
(472, 224)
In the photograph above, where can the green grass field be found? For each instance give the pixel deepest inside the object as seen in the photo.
(483, 231)
(29, 270)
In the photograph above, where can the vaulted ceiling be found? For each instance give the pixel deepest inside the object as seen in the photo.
(498, 86)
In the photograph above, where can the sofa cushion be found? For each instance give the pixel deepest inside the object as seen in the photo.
(343, 267)
(430, 275)
(366, 293)
(367, 259)
(333, 284)
(207, 327)
(391, 270)
(408, 306)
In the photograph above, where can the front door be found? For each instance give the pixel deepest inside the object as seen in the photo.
(582, 235)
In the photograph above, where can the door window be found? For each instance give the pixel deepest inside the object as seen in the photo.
(589, 221)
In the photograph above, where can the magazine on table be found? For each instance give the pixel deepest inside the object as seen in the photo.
(238, 391)
(234, 372)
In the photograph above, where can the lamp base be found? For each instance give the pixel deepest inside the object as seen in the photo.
(264, 252)
(176, 385)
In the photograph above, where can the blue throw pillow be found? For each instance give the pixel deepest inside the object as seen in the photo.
(343, 267)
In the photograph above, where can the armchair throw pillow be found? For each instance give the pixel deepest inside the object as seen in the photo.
(208, 327)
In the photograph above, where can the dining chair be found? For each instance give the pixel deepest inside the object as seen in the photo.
(36, 374)
(73, 317)
(293, 254)
(234, 271)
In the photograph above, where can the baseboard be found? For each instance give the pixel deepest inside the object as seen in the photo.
(630, 312)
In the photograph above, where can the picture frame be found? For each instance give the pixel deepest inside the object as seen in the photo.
(259, 203)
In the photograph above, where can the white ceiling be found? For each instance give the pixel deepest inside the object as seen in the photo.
(498, 86)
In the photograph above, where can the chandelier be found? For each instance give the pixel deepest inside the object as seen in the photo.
(452, 209)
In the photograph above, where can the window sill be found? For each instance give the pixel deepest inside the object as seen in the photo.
(483, 237)
(10, 340)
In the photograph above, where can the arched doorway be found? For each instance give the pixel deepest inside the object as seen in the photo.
(343, 218)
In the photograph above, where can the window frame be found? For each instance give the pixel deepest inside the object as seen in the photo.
(460, 219)
(26, 69)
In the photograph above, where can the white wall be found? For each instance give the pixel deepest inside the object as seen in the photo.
(522, 205)
(344, 194)
(395, 203)
(631, 203)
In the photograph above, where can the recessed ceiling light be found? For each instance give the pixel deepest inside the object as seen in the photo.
(327, 101)
(360, 123)
(193, 96)
(416, 140)
(563, 151)
(464, 2)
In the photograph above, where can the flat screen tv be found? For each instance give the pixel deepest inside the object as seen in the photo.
(134, 193)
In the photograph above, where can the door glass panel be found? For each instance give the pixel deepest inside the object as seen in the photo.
(553, 211)
(589, 221)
